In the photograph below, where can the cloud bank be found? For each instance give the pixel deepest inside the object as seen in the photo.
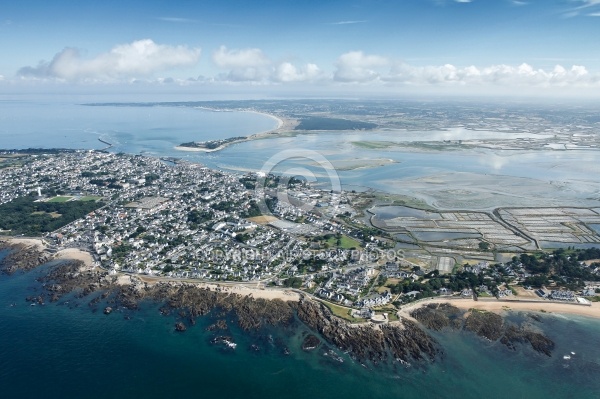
(142, 60)
(139, 58)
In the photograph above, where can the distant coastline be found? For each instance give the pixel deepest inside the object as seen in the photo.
(283, 124)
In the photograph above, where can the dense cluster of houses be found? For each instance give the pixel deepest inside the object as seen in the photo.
(183, 220)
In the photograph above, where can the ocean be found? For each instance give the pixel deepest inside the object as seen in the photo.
(69, 350)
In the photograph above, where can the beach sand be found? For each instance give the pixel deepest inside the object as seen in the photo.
(283, 125)
(268, 293)
(497, 306)
(226, 288)
(76, 254)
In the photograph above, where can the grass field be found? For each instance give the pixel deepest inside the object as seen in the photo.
(90, 198)
(345, 242)
(343, 313)
(60, 199)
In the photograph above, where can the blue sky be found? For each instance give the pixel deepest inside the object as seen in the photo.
(367, 46)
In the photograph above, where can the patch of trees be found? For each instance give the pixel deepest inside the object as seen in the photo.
(295, 282)
(561, 262)
(151, 178)
(248, 182)
(223, 206)
(588, 254)
(536, 281)
(252, 211)
(121, 250)
(199, 216)
(25, 216)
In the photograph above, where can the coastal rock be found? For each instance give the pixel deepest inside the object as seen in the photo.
(21, 257)
(219, 325)
(310, 342)
(226, 341)
(437, 316)
(405, 342)
(485, 324)
(538, 341)
(107, 310)
(488, 325)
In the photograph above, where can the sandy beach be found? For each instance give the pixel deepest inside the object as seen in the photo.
(283, 125)
(76, 254)
(226, 288)
(284, 295)
(497, 306)
(198, 149)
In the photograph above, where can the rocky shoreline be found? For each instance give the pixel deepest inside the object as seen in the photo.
(488, 325)
(405, 341)
(21, 257)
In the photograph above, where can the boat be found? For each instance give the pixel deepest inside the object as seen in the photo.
(572, 353)
(566, 357)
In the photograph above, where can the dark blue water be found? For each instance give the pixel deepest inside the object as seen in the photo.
(55, 351)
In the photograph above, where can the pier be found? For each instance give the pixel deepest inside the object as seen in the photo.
(110, 145)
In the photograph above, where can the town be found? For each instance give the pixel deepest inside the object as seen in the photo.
(171, 219)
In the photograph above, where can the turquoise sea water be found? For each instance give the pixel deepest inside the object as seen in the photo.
(69, 350)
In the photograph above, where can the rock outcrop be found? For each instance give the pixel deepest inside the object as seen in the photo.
(21, 257)
(488, 325)
(406, 342)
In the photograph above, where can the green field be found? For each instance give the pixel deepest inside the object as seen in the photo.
(60, 199)
(345, 242)
(342, 312)
(90, 198)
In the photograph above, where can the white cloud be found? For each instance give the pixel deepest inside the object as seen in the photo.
(583, 6)
(498, 75)
(139, 58)
(287, 72)
(176, 20)
(244, 58)
(588, 3)
(244, 65)
(355, 66)
(347, 22)
(253, 65)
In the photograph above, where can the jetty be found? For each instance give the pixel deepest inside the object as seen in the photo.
(109, 145)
